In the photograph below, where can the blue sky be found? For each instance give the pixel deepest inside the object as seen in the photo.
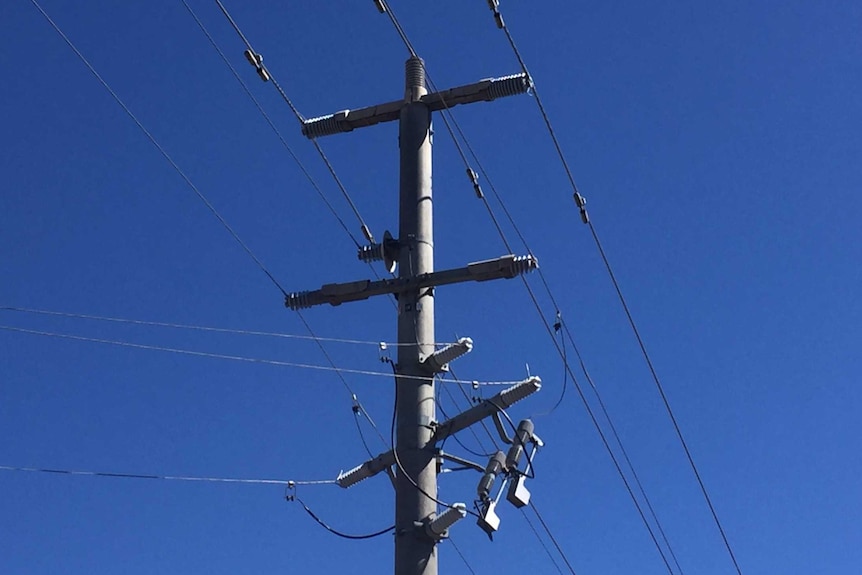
(719, 150)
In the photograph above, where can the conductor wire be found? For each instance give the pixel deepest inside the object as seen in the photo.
(161, 150)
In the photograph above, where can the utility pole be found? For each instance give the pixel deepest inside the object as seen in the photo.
(418, 528)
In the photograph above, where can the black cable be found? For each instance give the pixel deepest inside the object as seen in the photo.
(599, 429)
(580, 203)
(541, 541)
(116, 475)
(664, 399)
(461, 555)
(335, 531)
(161, 150)
(301, 119)
(557, 328)
(551, 535)
(269, 121)
(398, 459)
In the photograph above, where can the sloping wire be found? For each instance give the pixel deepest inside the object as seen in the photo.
(580, 202)
(161, 150)
(337, 532)
(266, 117)
(301, 119)
(559, 348)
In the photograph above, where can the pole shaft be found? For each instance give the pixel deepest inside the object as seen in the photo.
(414, 553)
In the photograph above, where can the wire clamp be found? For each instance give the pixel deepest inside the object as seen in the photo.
(256, 60)
(581, 202)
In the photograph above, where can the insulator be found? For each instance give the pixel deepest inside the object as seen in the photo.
(495, 465)
(437, 360)
(522, 435)
(508, 86)
(493, 4)
(371, 253)
(297, 300)
(415, 75)
(325, 125)
(437, 528)
(352, 476)
(519, 391)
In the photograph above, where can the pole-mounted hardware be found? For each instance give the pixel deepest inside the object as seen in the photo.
(482, 91)
(451, 426)
(387, 252)
(513, 478)
(418, 528)
(505, 267)
(440, 359)
(437, 528)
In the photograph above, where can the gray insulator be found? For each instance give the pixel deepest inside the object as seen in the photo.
(324, 126)
(415, 73)
(509, 86)
(519, 391)
(495, 465)
(522, 435)
(437, 528)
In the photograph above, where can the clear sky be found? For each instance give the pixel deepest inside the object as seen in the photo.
(720, 151)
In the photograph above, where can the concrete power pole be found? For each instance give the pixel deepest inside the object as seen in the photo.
(418, 528)
(416, 408)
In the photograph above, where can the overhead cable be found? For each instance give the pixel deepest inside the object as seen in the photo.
(366, 231)
(287, 482)
(559, 348)
(230, 357)
(161, 150)
(335, 531)
(269, 121)
(207, 328)
(580, 202)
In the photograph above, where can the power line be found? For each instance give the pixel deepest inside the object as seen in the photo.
(526, 284)
(269, 121)
(551, 536)
(541, 541)
(161, 150)
(226, 356)
(579, 200)
(288, 482)
(461, 555)
(366, 231)
(203, 328)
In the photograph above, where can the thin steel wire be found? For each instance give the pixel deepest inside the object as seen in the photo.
(168, 477)
(161, 150)
(225, 356)
(206, 328)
